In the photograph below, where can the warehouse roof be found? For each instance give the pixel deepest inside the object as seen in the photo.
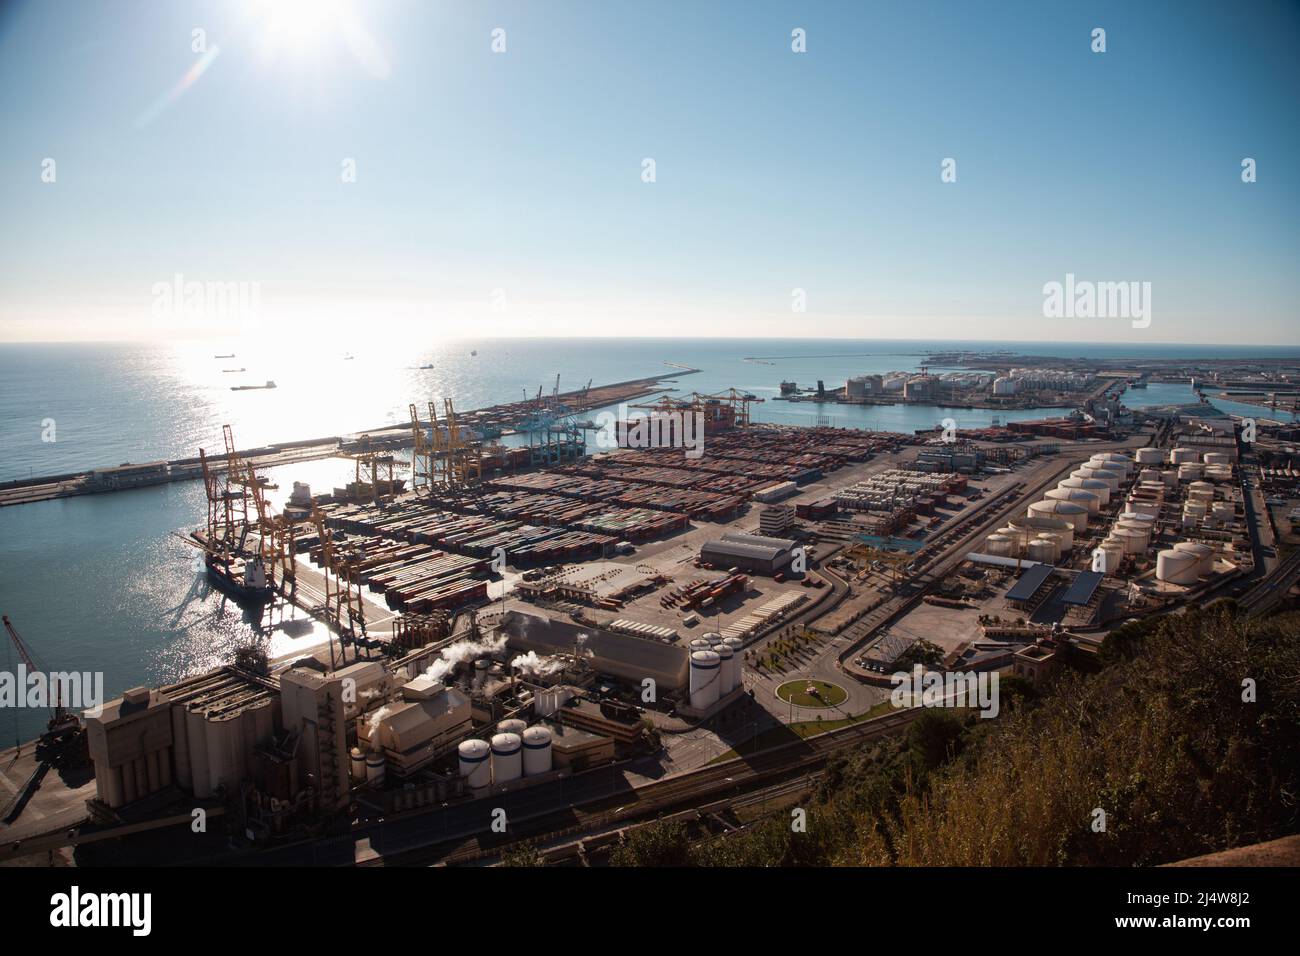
(1030, 582)
(1083, 588)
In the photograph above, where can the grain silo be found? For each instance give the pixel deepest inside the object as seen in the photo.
(474, 759)
(512, 726)
(727, 668)
(705, 679)
(507, 758)
(537, 751)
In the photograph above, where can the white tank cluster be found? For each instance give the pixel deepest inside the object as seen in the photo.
(516, 750)
(1185, 563)
(705, 679)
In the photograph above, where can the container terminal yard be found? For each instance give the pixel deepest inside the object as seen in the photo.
(587, 641)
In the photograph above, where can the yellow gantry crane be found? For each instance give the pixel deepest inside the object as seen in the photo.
(343, 607)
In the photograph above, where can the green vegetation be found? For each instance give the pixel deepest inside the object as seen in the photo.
(828, 694)
(1161, 739)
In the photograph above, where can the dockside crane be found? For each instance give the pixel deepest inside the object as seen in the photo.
(63, 724)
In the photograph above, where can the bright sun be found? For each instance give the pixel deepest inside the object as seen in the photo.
(306, 28)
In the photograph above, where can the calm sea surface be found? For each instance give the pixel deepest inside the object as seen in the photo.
(100, 583)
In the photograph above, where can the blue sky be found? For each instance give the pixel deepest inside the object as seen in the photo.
(521, 171)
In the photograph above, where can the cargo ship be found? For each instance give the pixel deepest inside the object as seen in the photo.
(244, 579)
(270, 383)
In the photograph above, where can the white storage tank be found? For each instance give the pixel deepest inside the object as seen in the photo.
(1111, 553)
(1098, 488)
(512, 726)
(1150, 456)
(737, 648)
(1176, 567)
(475, 762)
(357, 763)
(375, 768)
(1203, 552)
(1070, 511)
(1114, 461)
(1216, 458)
(480, 672)
(1042, 549)
(706, 679)
(537, 751)
(1077, 495)
(1133, 542)
(1112, 478)
(999, 545)
(507, 757)
(1180, 455)
(700, 644)
(727, 670)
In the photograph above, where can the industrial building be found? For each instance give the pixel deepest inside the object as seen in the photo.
(753, 553)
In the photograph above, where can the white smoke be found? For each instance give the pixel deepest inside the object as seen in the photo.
(372, 725)
(460, 652)
(531, 663)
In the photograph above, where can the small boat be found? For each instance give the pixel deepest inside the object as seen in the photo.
(348, 358)
(473, 351)
(234, 370)
(231, 355)
(427, 365)
(270, 383)
(243, 579)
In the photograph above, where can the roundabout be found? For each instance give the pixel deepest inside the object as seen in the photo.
(806, 692)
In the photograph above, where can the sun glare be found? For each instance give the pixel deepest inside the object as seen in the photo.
(301, 29)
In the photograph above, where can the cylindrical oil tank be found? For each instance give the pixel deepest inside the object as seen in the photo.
(512, 726)
(1033, 527)
(357, 762)
(727, 668)
(537, 751)
(480, 672)
(1178, 456)
(1216, 458)
(375, 768)
(738, 649)
(1079, 496)
(475, 762)
(1150, 509)
(1112, 478)
(1111, 553)
(1176, 567)
(507, 757)
(1070, 511)
(1042, 549)
(706, 679)
(700, 644)
(1098, 488)
(999, 545)
(1150, 456)
(1203, 552)
(1133, 542)
(1114, 462)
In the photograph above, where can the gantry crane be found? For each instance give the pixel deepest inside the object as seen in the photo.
(343, 598)
(379, 463)
(463, 461)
